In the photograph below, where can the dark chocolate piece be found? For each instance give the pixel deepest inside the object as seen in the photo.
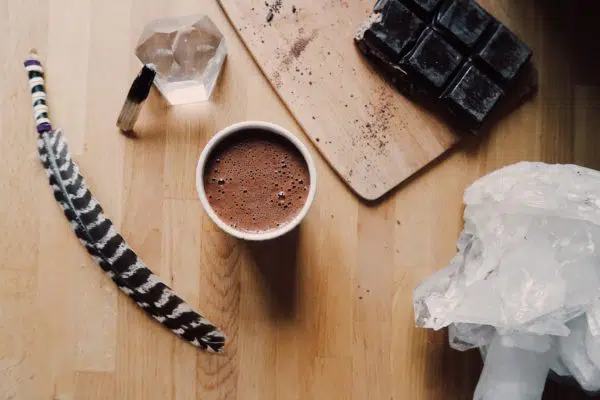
(398, 30)
(427, 5)
(433, 60)
(464, 20)
(472, 95)
(505, 54)
(424, 8)
(380, 5)
(452, 56)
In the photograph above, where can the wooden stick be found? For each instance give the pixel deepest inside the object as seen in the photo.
(138, 93)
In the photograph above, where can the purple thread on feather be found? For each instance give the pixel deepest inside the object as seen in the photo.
(32, 61)
(44, 127)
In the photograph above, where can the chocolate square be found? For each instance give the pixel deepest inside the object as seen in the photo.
(433, 60)
(505, 54)
(451, 56)
(463, 19)
(380, 5)
(427, 6)
(398, 30)
(471, 97)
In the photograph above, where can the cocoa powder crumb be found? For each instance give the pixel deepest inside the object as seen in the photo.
(273, 9)
(299, 46)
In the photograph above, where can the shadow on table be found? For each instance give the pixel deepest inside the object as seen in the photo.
(571, 28)
(276, 263)
(450, 374)
(456, 373)
(564, 391)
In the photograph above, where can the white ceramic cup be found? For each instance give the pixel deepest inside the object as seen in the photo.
(269, 127)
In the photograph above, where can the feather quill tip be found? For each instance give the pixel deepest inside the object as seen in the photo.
(32, 58)
(216, 348)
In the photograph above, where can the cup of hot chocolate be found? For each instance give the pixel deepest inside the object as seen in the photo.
(256, 180)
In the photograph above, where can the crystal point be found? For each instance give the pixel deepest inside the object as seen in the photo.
(188, 53)
(513, 373)
(576, 358)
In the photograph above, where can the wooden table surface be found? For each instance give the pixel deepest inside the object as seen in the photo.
(325, 313)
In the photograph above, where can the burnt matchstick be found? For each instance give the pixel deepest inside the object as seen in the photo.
(138, 93)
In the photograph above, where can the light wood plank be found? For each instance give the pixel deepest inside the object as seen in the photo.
(297, 326)
(372, 136)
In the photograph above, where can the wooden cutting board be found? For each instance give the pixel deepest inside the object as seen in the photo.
(371, 135)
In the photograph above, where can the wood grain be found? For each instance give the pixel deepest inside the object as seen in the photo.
(372, 136)
(369, 133)
(325, 313)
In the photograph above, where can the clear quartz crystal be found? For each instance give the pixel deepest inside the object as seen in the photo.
(526, 268)
(188, 53)
(513, 373)
(575, 356)
(464, 337)
(528, 258)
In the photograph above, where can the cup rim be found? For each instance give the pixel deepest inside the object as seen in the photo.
(276, 129)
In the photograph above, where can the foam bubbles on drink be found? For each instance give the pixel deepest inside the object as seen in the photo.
(265, 181)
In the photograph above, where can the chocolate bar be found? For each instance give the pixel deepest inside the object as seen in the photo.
(451, 56)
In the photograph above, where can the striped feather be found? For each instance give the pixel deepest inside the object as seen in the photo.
(102, 241)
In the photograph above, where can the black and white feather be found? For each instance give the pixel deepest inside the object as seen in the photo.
(99, 236)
